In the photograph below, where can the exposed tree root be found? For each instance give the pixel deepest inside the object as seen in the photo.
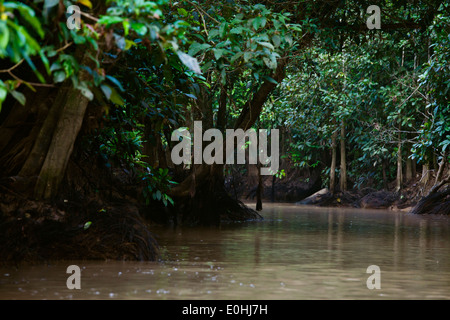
(434, 203)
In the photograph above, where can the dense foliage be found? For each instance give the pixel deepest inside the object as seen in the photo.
(149, 67)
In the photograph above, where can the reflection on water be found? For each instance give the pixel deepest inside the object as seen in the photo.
(296, 252)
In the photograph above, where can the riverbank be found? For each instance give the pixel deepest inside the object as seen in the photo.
(366, 199)
(307, 188)
(38, 231)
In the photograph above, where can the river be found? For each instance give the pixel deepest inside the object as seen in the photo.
(296, 252)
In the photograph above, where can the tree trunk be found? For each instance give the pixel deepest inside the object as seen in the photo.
(385, 180)
(425, 174)
(408, 169)
(66, 129)
(252, 109)
(343, 171)
(150, 145)
(441, 169)
(61, 146)
(259, 190)
(36, 158)
(399, 180)
(333, 159)
(19, 130)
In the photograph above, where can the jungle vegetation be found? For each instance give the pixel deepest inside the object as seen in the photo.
(87, 110)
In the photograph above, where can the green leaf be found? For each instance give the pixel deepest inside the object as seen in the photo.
(270, 79)
(276, 40)
(19, 96)
(182, 12)
(237, 30)
(213, 33)
(256, 23)
(247, 56)
(168, 199)
(236, 56)
(187, 95)
(4, 36)
(87, 225)
(107, 20)
(218, 53)
(270, 63)
(266, 44)
(116, 82)
(116, 98)
(59, 76)
(129, 44)
(45, 61)
(3, 93)
(29, 16)
(33, 67)
(223, 29)
(55, 66)
(139, 28)
(288, 39)
(197, 47)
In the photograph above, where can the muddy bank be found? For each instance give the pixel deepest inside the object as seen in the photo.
(33, 231)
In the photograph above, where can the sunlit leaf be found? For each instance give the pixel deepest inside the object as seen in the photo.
(86, 3)
(189, 62)
(87, 225)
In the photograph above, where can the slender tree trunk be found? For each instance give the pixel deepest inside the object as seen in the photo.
(150, 149)
(343, 170)
(272, 194)
(409, 164)
(425, 174)
(399, 180)
(259, 190)
(333, 159)
(385, 180)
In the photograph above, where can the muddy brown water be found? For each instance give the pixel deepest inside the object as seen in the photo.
(296, 252)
